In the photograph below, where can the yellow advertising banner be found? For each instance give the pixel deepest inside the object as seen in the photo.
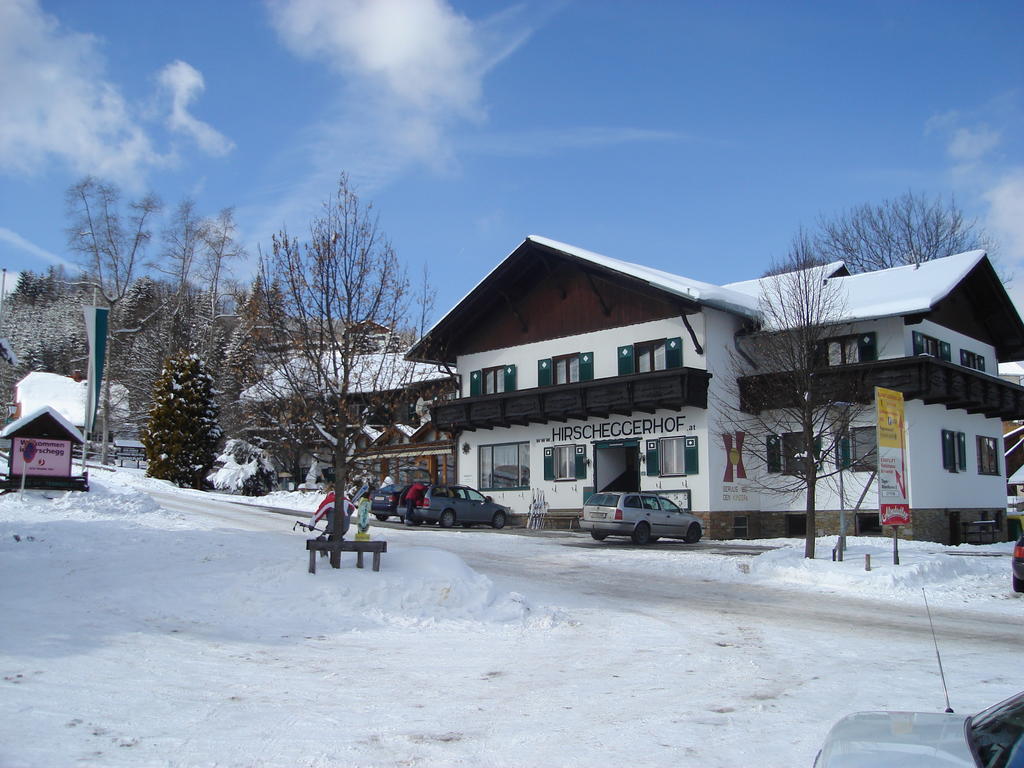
(892, 460)
(890, 417)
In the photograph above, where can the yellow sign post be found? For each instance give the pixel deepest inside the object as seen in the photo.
(893, 505)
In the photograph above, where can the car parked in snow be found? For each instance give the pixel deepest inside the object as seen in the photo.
(993, 738)
(1017, 565)
(449, 505)
(643, 517)
(386, 501)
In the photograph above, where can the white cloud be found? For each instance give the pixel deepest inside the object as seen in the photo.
(971, 145)
(409, 73)
(13, 238)
(57, 103)
(1006, 213)
(185, 83)
(420, 53)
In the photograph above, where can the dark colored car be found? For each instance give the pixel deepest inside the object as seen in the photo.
(387, 501)
(448, 505)
(1017, 566)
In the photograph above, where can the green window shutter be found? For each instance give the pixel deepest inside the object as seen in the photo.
(581, 461)
(945, 353)
(961, 451)
(476, 380)
(844, 460)
(586, 366)
(549, 463)
(773, 453)
(674, 353)
(948, 450)
(626, 364)
(867, 347)
(544, 372)
(691, 457)
(918, 343)
(653, 460)
(510, 378)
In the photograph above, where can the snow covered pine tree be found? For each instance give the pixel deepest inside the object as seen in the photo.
(182, 433)
(245, 469)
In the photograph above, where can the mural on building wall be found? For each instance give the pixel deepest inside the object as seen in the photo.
(734, 457)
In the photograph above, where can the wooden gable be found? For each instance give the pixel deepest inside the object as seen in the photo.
(540, 293)
(979, 307)
(44, 424)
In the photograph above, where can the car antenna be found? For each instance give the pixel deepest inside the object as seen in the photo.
(942, 674)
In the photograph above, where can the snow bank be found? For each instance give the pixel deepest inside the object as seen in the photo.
(246, 576)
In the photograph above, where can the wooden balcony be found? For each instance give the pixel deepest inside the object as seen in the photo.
(622, 395)
(923, 378)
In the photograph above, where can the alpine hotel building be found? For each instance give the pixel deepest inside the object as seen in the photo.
(582, 373)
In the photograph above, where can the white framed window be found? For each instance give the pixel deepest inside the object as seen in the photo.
(565, 462)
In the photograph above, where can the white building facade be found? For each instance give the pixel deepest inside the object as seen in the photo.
(581, 373)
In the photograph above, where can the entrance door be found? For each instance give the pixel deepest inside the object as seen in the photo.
(617, 466)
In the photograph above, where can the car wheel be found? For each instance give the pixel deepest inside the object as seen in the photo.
(382, 518)
(598, 536)
(498, 521)
(447, 519)
(641, 534)
(693, 534)
(1018, 584)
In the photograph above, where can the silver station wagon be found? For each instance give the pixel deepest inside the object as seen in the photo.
(643, 517)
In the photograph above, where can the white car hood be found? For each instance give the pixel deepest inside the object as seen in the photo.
(901, 739)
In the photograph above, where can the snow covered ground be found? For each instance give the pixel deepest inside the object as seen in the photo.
(137, 636)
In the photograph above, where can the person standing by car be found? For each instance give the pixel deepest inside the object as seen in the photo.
(413, 497)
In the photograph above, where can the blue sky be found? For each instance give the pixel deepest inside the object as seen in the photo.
(692, 137)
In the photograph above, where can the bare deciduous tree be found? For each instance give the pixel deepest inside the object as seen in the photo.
(907, 230)
(794, 414)
(342, 294)
(220, 248)
(112, 246)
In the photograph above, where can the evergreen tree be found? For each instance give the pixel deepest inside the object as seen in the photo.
(182, 433)
(246, 469)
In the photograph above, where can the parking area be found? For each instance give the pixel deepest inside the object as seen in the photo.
(583, 539)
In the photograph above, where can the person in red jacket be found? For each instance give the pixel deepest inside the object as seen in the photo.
(413, 496)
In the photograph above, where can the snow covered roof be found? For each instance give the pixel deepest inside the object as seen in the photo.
(12, 429)
(371, 373)
(721, 297)
(898, 291)
(901, 290)
(63, 394)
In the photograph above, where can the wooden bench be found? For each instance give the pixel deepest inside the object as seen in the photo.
(335, 548)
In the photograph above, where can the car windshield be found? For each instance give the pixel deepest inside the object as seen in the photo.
(603, 500)
(997, 734)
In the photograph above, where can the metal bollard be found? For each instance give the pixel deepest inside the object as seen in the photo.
(867, 562)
